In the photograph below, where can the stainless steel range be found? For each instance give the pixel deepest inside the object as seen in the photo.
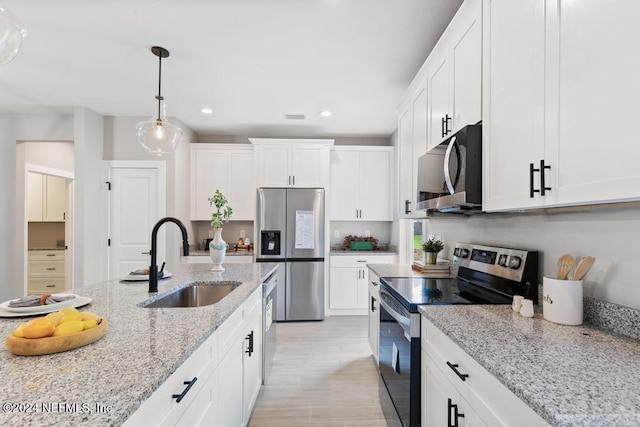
(486, 275)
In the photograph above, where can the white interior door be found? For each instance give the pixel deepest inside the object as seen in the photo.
(135, 206)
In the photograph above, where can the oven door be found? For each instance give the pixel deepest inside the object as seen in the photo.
(399, 355)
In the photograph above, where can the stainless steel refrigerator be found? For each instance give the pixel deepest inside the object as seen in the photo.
(290, 230)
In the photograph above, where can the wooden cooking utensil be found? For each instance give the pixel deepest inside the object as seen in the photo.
(565, 264)
(583, 267)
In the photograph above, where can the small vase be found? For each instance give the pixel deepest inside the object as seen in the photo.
(217, 250)
(430, 257)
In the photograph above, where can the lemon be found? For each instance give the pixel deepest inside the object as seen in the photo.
(68, 327)
(39, 327)
(87, 315)
(55, 317)
(19, 330)
(90, 323)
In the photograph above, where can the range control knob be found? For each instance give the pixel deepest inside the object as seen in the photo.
(514, 262)
(502, 261)
(456, 252)
(465, 253)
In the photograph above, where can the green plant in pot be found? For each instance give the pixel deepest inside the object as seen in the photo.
(431, 247)
(222, 214)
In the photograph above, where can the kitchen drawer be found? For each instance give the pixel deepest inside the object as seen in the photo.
(42, 285)
(231, 328)
(161, 406)
(46, 268)
(485, 393)
(53, 255)
(360, 260)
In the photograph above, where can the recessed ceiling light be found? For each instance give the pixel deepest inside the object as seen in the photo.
(206, 110)
(325, 113)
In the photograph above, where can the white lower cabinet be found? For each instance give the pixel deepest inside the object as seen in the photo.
(227, 373)
(457, 391)
(46, 271)
(348, 282)
(374, 313)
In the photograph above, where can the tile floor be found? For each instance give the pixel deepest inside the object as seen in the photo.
(323, 375)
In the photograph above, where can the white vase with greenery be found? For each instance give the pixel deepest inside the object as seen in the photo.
(218, 247)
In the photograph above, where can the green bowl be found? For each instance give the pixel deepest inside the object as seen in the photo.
(361, 246)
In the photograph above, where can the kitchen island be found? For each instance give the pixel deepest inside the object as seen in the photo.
(104, 383)
(569, 375)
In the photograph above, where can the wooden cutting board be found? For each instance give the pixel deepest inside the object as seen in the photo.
(49, 345)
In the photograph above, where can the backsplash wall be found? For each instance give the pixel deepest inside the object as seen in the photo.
(611, 236)
(381, 230)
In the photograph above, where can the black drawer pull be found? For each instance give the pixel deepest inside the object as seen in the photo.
(51, 268)
(454, 367)
(189, 384)
(51, 254)
(249, 350)
(373, 304)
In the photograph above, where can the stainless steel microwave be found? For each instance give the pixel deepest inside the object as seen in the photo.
(450, 174)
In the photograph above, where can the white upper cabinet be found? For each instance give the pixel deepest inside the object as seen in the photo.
(361, 183)
(229, 168)
(445, 96)
(454, 75)
(292, 163)
(513, 101)
(560, 101)
(46, 198)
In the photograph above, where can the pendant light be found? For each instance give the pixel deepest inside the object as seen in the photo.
(11, 34)
(157, 135)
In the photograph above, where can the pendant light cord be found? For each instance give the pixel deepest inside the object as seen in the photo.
(159, 97)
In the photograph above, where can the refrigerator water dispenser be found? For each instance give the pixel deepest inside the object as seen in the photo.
(270, 242)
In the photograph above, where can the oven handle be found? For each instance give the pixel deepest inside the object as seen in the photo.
(397, 316)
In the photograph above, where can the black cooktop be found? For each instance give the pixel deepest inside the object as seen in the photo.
(415, 291)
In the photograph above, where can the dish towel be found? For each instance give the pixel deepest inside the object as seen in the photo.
(36, 300)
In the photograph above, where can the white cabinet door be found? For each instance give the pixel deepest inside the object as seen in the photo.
(344, 185)
(592, 101)
(242, 185)
(55, 203)
(35, 196)
(405, 174)
(437, 395)
(344, 287)
(252, 364)
(230, 384)
(309, 166)
(439, 76)
(204, 407)
(209, 171)
(513, 101)
(274, 166)
(374, 185)
(419, 124)
(374, 312)
(227, 168)
(466, 57)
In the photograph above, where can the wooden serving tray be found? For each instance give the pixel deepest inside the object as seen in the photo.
(49, 345)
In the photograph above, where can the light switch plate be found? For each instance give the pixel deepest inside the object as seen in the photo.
(242, 235)
(211, 234)
(367, 233)
(336, 234)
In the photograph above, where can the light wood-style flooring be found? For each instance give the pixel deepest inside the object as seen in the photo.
(323, 375)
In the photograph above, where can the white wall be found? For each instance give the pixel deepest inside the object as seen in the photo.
(55, 155)
(612, 236)
(89, 247)
(7, 207)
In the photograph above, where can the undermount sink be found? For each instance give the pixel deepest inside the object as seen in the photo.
(197, 294)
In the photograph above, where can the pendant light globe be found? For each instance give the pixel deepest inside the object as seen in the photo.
(11, 34)
(157, 135)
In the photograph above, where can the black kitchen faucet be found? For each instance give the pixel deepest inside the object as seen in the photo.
(153, 268)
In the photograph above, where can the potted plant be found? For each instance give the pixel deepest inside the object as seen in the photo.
(222, 214)
(431, 247)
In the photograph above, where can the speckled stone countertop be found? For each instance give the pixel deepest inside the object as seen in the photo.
(396, 270)
(142, 347)
(570, 375)
(361, 253)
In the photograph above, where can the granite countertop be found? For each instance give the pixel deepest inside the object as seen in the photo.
(398, 270)
(362, 253)
(142, 347)
(570, 375)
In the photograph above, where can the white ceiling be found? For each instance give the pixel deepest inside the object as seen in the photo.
(251, 61)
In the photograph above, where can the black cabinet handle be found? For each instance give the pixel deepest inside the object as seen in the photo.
(373, 304)
(189, 384)
(543, 188)
(249, 349)
(532, 170)
(456, 414)
(447, 119)
(406, 207)
(454, 367)
(442, 127)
